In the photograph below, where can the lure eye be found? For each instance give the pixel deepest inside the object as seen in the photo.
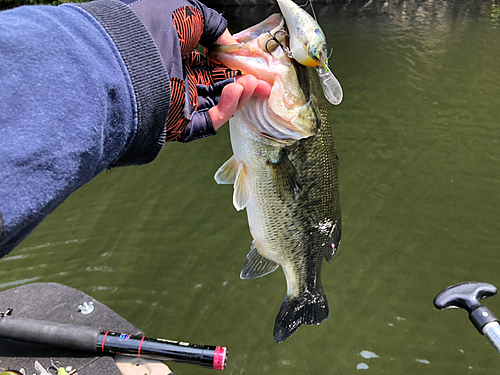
(324, 51)
(318, 52)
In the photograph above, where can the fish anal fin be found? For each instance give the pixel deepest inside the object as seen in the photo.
(257, 265)
(285, 177)
(241, 189)
(226, 174)
(295, 311)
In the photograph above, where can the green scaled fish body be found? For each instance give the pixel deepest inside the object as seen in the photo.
(284, 171)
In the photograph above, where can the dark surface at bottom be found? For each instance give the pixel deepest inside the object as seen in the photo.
(58, 303)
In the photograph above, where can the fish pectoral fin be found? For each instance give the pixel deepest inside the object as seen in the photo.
(232, 172)
(257, 265)
(285, 177)
(295, 311)
(226, 174)
(241, 189)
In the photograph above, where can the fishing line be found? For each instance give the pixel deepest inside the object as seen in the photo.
(312, 9)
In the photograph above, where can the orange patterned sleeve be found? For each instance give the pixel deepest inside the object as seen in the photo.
(206, 72)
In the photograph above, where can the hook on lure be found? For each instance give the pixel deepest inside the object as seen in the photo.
(274, 39)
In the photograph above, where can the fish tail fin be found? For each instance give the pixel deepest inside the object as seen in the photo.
(295, 311)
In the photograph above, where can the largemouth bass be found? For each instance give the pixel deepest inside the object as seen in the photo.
(284, 171)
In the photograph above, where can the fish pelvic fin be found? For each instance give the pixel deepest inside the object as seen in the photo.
(241, 189)
(295, 311)
(285, 177)
(257, 265)
(226, 174)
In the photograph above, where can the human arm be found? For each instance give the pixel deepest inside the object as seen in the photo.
(74, 102)
(85, 88)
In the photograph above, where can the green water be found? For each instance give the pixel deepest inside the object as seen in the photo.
(418, 136)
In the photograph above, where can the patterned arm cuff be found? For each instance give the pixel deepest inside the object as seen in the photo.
(147, 73)
(200, 126)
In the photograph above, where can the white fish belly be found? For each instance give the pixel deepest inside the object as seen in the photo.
(265, 210)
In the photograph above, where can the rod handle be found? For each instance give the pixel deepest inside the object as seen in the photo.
(49, 333)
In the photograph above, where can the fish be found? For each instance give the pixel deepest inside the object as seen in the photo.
(308, 47)
(284, 171)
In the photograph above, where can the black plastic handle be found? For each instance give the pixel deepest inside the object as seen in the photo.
(464, 295)
(467, 296)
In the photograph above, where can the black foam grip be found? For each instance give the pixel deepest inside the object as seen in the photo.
(49, 333)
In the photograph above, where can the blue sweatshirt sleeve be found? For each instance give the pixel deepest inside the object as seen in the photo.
(83, 89)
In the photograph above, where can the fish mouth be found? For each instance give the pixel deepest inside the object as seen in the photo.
(262, 52)
(256, 42)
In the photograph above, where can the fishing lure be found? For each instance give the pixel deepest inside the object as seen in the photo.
(308, 47)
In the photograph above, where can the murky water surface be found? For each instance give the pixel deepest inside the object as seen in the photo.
(418, 136)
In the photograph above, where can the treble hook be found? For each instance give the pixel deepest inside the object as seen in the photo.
(284, 48)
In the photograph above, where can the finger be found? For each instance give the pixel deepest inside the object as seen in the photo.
(228, 105)
(249, 84)
(261, 88)
(226, 38)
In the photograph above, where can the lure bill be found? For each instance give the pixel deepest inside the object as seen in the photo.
(308, 47)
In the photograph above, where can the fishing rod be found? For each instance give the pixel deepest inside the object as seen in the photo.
(467, 296)
(100, 341)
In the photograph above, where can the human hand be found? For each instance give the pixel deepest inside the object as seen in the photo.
(235, 95)
(212, 93)
(226, 39)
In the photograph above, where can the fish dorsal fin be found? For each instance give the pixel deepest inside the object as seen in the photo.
(241, 189)
(285, 177)
(257, 265)
(226, 174)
